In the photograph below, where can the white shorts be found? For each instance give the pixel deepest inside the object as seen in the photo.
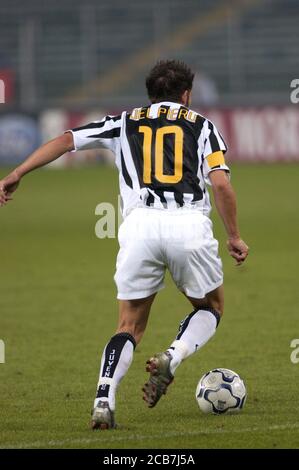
(180, 240)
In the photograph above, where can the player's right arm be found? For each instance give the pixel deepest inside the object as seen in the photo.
(225, 201)
(45, 154)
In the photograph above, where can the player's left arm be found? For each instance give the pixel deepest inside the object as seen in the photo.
(216, 173)
(45, 154)
(226, 204)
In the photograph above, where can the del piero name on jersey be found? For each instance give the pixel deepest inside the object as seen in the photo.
(171, 114)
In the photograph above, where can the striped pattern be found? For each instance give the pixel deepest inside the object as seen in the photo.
(202, 147)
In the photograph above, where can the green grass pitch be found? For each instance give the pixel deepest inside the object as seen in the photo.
(58, 309)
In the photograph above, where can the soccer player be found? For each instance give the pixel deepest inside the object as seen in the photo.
(166, 155)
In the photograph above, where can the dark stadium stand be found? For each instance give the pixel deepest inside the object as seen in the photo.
(64, 47)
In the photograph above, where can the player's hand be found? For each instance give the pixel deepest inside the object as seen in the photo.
(7, 186)
(237, 249)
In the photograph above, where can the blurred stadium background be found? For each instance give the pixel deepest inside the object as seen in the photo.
(66, 62)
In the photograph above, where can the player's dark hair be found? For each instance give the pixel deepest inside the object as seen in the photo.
(168, 80)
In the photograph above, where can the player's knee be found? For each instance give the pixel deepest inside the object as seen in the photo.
(213, 302)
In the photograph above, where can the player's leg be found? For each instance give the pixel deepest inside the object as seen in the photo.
(198, 327)
(194, 331)
(117, 357)
(139, 275)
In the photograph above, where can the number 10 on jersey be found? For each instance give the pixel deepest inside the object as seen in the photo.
(158, 159)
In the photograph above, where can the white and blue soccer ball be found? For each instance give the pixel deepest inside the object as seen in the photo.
(221, 391)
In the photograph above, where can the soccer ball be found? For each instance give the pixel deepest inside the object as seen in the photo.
(221, 391)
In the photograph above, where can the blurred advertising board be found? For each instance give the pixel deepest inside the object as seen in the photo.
(7, 85)
(19, 136)
(259, 134)
(265, 134)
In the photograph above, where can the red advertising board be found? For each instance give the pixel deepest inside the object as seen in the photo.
(7, 82)
(259, 134)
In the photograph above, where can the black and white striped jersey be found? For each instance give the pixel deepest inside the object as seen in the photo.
(164, 153)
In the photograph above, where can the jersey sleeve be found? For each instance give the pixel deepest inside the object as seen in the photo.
(213, 150)
(98, 134)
